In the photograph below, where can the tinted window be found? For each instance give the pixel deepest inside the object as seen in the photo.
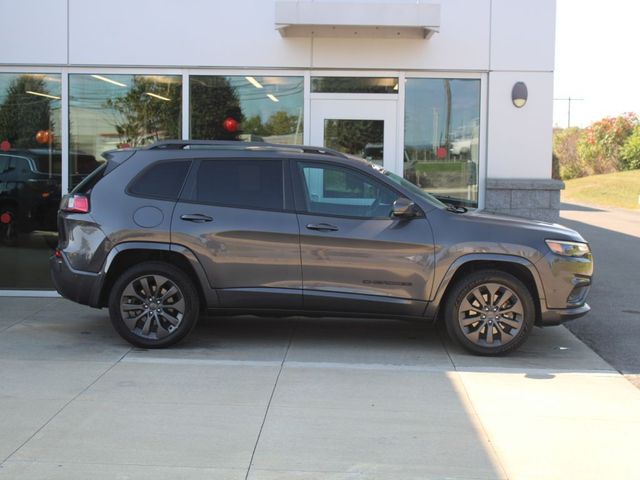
(48, 163)
(164, 180)
(241, 183)
(333, 190)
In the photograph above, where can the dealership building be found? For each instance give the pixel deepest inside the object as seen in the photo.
(455, 95)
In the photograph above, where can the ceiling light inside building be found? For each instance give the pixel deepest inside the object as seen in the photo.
(42, 94)
(108, 80)
(159, 97)
(273, 98)
(254, 82)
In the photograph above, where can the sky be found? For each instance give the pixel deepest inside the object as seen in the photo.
(597, 59)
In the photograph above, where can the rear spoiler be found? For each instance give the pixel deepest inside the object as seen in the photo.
(115, 158)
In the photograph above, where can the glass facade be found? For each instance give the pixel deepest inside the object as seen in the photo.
(363, 138)
(112, 110)
(247, 108)
(441, 137)
(30, 177)
(109, 111)
(354, 85)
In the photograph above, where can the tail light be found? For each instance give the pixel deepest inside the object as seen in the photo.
(75, 204)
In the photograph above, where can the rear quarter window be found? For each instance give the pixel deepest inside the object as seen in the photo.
(161, 180)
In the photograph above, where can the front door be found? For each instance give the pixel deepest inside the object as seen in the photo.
(355, 256)
(361, 127)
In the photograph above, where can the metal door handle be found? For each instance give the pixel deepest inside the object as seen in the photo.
(322, 227)
(196, 217)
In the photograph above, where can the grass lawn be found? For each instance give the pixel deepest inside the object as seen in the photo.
(619, 189)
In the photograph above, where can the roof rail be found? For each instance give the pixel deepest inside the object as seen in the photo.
(240, 145)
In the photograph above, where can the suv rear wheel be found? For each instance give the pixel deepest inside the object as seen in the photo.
(489, 312)
(153, 305)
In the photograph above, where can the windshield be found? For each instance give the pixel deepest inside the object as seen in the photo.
(413, 188)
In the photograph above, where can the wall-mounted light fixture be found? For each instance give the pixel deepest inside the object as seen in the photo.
(519, 94)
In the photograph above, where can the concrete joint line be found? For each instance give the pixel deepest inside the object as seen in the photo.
(63, 407)
(273, 391)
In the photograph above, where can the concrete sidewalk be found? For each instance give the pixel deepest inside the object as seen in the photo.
(302, 399)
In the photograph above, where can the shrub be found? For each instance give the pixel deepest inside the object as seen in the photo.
(569, 164)
(599, 146)
(630, 151)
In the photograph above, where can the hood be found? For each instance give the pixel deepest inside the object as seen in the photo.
(549, 230)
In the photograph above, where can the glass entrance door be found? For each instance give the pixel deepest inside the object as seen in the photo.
(365, 128)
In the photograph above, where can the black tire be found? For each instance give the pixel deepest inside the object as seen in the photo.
(161, 322)
(489, 312)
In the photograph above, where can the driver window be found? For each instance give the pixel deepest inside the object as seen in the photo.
(332, 190)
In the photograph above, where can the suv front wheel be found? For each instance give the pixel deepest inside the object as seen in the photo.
(489, 312)
(153, 305)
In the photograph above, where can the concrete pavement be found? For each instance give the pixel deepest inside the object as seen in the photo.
(613, 327)
(302, 399)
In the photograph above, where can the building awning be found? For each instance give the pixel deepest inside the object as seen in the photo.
(357, 20)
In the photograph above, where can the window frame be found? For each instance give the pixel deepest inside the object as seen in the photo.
(188, 194)
(301, 193)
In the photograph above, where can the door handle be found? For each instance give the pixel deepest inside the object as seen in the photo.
(322, 227)
(196, 217)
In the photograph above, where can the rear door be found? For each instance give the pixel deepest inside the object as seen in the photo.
(236, 215)
(355, 255)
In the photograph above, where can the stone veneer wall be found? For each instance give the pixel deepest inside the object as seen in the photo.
(534, 198)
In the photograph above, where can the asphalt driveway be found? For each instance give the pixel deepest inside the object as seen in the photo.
(302, 399)
(613, 327)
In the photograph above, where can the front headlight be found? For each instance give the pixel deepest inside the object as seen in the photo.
(567, 248)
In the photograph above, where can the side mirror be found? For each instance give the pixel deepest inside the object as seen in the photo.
(404, 208)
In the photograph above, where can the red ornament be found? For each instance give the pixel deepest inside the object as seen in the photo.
(5, 218)
(5, 146)
(230, 124)
(441, 152)
(42, 136)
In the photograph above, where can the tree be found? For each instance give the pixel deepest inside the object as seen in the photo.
(141, 118)
(23, 114)
(213, 100)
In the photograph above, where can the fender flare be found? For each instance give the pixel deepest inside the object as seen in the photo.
(209, 293)
(434, 305)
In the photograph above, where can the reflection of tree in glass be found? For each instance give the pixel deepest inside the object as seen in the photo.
(142, 118)
(22, 114)
(351, 136)
(279, 123)
(213, 100)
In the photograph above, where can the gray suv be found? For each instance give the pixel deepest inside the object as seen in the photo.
(162, 234)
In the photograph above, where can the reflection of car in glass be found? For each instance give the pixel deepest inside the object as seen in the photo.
(373, 152)
(162, 233)
(30, 185)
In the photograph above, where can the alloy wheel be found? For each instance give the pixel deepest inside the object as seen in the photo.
(491, 315)
(152, 306)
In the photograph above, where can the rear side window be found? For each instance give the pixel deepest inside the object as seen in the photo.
(241, 183)
(161, 180)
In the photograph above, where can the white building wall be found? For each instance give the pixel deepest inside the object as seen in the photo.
(33, 32)
(522, 49)
(510, 40)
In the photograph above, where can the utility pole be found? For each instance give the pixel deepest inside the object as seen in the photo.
(569, 100)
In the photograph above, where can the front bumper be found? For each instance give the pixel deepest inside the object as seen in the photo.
(78, 286)
(556, 316)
